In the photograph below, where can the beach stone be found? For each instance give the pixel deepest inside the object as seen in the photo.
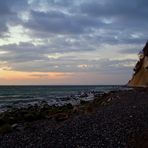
(61, 117)
(83, 95)
(14, 125)
(82, 102)
(5, 128)
(103, 103)
(2, 121)
(108, 126)
(109, 99)
(75, 109)
(69, 106)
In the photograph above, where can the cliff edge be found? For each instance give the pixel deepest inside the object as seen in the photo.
(140, 76)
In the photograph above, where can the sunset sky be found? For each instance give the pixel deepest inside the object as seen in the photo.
(52, 42)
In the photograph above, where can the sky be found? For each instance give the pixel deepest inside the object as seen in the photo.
(70, 42)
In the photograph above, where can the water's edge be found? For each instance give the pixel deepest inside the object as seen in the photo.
(22, 96)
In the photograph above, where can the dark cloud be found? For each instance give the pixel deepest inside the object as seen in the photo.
(118, 19)
(76, 65)
(6, 7)
(60, 23)
(114, 8)
(124, 18)
(22, 52)
(39, 63)
(28, 57)
(60, 46)
(28, 52)
(65, 3)
(73, 28)
(9, 10)
(3, 29)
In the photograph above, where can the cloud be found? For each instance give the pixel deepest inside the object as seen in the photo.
(119, 20)
(9, 10)
(122, 17)
(39, 63)
(5, 8)
(57, 22)
(25, 51)
(72, 36)
(114, 8)
(130, 51)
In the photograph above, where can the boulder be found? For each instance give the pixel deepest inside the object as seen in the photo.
(61, 117)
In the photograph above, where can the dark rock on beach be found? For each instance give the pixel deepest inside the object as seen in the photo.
(116, 120)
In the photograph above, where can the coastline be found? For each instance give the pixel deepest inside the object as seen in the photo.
(122, 112)
(24, 96)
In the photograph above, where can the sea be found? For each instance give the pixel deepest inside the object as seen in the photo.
(22, 96)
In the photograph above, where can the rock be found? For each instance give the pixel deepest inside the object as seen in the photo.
(75, 109)
(103, 103)
(89, 109)
(2, 121)
(29, 117)
(134, 106)
(69, 106)
(82, 102)
(5, 128)
(61, 117)
(83, 95)
(109, 99)
(14, 125)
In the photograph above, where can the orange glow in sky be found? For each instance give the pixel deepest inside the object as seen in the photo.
(17, 77)
(8, 77)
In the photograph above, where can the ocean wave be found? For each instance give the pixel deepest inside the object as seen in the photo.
(57, 98)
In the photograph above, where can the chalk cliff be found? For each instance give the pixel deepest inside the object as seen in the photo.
(140, 76)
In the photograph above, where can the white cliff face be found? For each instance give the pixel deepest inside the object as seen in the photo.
(145, 64)
(140, 77)
(141, 55)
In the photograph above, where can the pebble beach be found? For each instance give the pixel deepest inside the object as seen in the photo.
(113, 120)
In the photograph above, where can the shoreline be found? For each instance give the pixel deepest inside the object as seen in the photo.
(118, 108)
(24, 101)
(43, 110)
(57, 101)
